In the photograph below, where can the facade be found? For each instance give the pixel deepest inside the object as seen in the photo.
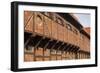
(54, 36)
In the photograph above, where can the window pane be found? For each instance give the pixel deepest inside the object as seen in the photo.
(39, 24)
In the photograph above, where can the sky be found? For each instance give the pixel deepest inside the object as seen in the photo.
(84, 19)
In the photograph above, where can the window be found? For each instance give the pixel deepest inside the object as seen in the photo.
(59, 20)
(53, 51)
(46, 13)
(39, 51)
(29, 49)
(69, 27)
(46, 52)
(39, 20)
(39, 24)
(82, 37)
(59, 52)
(75, 31)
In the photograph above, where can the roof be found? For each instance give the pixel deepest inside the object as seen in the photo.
(72, 19)
(87, 29)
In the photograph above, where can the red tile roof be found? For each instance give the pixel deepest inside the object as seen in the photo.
(87, 29)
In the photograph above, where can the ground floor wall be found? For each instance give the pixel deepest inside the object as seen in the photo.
(45, 54)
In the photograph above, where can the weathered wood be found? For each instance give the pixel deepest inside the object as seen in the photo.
(57, 28)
